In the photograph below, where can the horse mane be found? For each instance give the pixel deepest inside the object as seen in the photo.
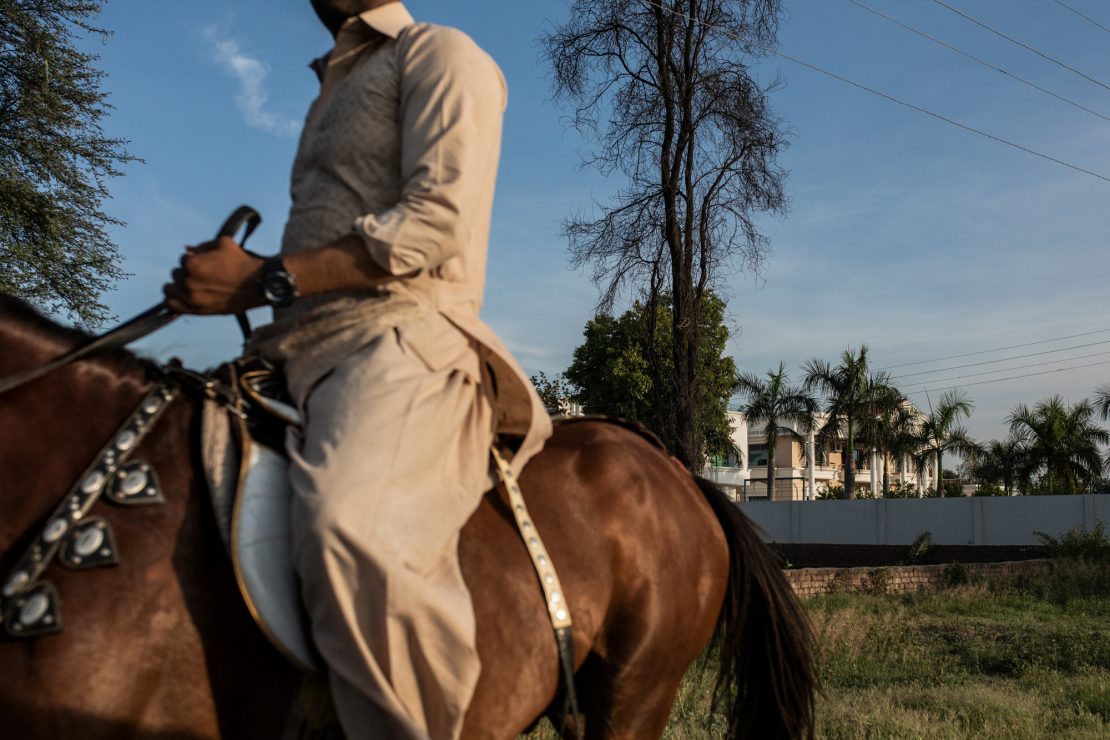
(32, 326)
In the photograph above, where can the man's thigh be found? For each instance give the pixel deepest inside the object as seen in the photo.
(393, 458)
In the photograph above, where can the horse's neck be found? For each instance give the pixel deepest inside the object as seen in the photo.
(51, 429)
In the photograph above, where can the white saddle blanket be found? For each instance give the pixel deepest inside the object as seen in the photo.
(251, 502)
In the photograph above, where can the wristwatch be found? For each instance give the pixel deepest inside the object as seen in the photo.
(279, 287)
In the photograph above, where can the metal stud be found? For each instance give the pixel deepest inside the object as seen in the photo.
(134, 482)
(126, 440)
(549, 579)
(33, 610)
(152, 404)
(94, 482)
(88, 542)
(561, 614)
(526, 524)
(556, 597)
(54, 530)
(533, 542)
(17, 582)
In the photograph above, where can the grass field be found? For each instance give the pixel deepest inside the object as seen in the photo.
(1027, 657)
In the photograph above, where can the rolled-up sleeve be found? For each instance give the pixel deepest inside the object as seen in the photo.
(452, 99)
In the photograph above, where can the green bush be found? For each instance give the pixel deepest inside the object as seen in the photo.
(956, 574)
(989, 489)
(1078, 544)
(919, 548)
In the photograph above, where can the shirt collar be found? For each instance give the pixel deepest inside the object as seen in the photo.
(389, 20)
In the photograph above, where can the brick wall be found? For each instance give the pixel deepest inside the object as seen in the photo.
(894, 579)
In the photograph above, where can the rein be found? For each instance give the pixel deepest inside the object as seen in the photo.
(144, 324)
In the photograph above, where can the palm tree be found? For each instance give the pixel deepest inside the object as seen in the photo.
(893, 429)
(1003, 459)
(849, 394)
(940, 433)
(1102, 401)
(1063, 443)
(775, 402)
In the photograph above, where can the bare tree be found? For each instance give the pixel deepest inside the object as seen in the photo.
(664, 90)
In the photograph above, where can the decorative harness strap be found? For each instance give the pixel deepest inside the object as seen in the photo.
(557, 608)
(29, 606)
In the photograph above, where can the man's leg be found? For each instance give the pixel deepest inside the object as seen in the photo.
(391, 465)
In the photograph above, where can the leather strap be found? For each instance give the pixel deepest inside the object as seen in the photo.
(557, 608)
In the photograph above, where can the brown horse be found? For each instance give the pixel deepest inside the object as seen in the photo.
(653, 564)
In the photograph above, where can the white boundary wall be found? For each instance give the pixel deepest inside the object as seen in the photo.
(989, 520)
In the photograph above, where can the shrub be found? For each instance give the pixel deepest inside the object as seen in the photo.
(878, 581)
(919, 548)
(956, 574)
(989, 489)
(1078, 544)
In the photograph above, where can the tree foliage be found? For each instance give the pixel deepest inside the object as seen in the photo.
(55, 160)
(1062, 444)
(611, 375)
(853, 395)
(665, 93)
(941, 433)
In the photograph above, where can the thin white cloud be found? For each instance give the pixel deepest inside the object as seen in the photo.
(251, 75)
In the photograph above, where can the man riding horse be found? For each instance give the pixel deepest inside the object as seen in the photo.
(376, 294)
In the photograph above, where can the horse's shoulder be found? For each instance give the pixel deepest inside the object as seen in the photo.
(597, 428)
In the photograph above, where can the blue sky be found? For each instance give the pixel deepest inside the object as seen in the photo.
(904, 233)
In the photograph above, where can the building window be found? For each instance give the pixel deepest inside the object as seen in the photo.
(757, 456)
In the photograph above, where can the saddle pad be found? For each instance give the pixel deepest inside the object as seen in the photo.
(253, 505)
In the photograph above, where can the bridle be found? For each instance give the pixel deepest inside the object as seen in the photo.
(145, 324)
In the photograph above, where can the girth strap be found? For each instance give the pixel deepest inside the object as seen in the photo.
(557, 608)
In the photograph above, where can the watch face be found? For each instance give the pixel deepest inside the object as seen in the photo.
(278, 289)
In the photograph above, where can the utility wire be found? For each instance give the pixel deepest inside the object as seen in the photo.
(1084, 17)
(1011, 39)
(999, 380)
(983, 62)
(1018, 367)
(891, 98)
(996, 349)
(1003, 359)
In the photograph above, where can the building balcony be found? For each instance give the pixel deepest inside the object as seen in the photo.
(727, 476)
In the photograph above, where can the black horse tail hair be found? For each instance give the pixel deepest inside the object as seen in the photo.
(767, 677)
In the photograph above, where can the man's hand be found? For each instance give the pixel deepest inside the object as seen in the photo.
(215, 278)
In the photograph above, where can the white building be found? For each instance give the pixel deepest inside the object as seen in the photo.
(798, 474)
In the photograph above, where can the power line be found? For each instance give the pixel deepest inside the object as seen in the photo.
(997, 349)
(1018, 367)
(1011, 39)
(891, 98)
(1084, 17)
(999, 380)
(1003, 359)
(983, 62)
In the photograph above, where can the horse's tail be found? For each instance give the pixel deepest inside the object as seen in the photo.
(765, 640)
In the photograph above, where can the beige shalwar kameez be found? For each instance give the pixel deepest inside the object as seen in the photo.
(403, 388)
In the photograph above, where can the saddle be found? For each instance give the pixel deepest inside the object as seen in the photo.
(242, 449)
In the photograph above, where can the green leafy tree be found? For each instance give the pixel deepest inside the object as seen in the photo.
(666, 93)
(775, 402)
(889, 425)
(1062, 444)
(55, 160)
(851, 393)
(612, 375)
(555, 392)
(999, 460)
(940, 433)
(1102, 401)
